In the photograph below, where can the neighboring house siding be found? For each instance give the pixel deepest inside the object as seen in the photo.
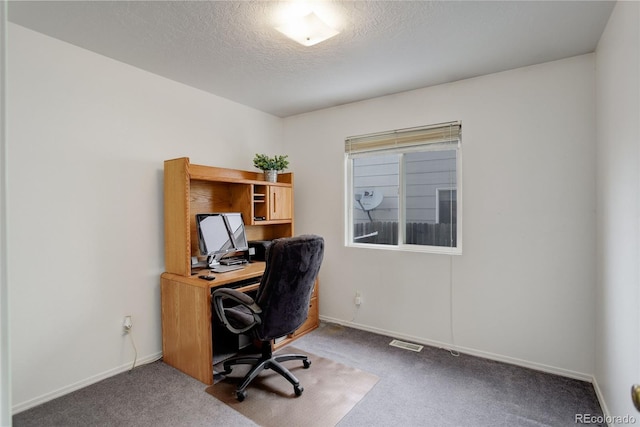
(425, 171)
(378, 173)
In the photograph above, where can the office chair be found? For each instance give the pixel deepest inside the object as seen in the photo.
(280, 307)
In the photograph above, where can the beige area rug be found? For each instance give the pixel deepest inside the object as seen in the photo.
(331, 390)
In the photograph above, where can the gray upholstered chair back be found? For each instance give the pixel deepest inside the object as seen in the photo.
(287, 284)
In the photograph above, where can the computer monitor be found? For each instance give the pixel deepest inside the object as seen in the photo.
(220, 234)
(238, 234)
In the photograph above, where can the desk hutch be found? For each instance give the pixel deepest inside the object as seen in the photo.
(188, 343)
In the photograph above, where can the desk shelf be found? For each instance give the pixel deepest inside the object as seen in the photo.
(192, 189)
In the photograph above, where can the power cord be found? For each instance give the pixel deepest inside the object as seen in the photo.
(128, 326)
(135, 351)
(355, 313)
(453, 341)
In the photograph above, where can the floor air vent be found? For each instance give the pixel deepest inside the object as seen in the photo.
(406, 345)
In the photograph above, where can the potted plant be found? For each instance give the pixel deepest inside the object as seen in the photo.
(270, 165)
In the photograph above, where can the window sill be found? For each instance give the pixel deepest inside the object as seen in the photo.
(408, 248)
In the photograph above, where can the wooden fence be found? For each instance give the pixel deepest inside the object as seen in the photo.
(418, 233)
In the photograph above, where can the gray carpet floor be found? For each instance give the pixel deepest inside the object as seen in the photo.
(430, 388)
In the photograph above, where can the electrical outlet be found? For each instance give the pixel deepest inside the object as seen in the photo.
(358, 299)
(127, 324)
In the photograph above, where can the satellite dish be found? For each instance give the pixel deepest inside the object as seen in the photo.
(368, 199)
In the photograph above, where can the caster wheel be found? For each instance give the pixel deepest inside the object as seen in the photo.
(298, 390)
(241, 395)
(306, 364)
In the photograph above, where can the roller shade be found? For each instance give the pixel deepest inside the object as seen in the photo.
(442, 133)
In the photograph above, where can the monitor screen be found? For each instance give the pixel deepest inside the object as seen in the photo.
(236, 226)
(220, 233)
(213, 236)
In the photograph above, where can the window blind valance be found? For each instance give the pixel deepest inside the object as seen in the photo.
(404, 138)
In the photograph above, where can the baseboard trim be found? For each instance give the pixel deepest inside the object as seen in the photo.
(601, 400)
(20, 407)
(466, 350)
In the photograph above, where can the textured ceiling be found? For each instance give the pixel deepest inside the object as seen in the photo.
(231, 49)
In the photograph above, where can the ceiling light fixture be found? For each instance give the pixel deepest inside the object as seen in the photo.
(307, 30)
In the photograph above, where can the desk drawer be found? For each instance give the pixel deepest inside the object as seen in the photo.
(312, 319)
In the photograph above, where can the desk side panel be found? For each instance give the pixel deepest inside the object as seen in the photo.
(186, 329)
(177, 245)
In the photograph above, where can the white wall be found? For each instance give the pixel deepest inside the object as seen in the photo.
(523, 289)
(87, 137)
(5, 372)
(618, 194)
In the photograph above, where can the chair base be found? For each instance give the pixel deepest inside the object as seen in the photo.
(266, 361)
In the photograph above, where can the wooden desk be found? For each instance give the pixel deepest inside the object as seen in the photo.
(187, 342)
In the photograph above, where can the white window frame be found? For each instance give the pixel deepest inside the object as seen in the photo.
(401, 246)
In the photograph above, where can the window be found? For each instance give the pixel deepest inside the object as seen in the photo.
(403, 189)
